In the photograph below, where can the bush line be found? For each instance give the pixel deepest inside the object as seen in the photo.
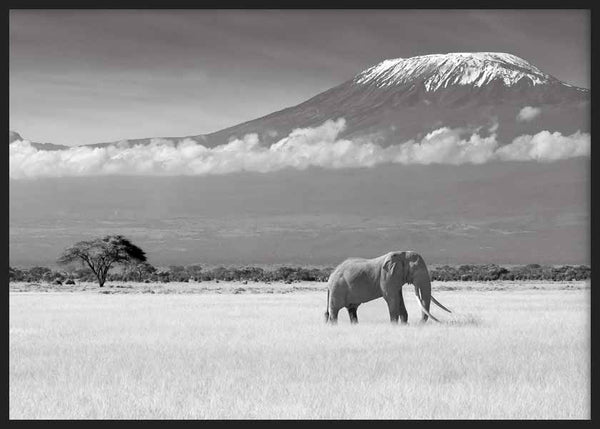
(195, 273)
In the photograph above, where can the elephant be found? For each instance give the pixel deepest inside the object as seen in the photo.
(359, 280)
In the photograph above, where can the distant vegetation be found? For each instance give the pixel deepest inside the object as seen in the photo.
(491, 272)
(145, 272)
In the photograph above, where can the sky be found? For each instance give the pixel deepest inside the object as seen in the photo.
(89, 76)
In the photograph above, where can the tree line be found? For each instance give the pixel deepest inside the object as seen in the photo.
(93, 260)
(145, 272)
(489, 272)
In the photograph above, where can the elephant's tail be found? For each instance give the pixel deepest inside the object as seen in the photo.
(327, 309)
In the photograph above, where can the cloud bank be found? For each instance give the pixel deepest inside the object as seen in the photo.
(546, 146)
(528, 113)
(301, 149)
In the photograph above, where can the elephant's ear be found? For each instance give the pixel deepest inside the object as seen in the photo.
(389, 266)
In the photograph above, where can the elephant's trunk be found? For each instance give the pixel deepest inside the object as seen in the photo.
(422, 284)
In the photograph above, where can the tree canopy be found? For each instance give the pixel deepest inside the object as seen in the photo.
(101, 254)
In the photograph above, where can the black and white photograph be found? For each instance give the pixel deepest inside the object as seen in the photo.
(299, 214)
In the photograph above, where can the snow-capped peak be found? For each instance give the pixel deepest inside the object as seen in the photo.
(443, 70)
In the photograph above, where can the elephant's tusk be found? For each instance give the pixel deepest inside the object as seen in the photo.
(435, 301)
(425, 311)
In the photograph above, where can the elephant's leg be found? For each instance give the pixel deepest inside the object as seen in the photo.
(352, 312)
(333, 315)
(393, 303)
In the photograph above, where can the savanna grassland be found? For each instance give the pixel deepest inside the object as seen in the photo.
(509, 350)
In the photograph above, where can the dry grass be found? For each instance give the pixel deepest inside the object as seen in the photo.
(503, 354)
(224, 287)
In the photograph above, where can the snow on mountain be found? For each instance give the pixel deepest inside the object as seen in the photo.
(444, 70)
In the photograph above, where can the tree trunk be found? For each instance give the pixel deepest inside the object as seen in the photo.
(101, 279)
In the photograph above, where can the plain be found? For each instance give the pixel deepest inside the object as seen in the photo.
(508, 353)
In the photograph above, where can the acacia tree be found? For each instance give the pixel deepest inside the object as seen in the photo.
(101, 254)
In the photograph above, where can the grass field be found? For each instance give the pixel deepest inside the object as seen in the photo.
(505, 352)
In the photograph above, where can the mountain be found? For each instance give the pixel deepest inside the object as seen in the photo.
(15, 136)
(405, 98)
(400, 99)
(501, 212)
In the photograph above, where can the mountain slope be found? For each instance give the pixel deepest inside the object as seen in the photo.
(14, 136)
(504, 213)
(401, 99)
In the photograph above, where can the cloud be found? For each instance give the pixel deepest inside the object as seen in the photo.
(445, 146)
(546, 146)
(528, 113)
(301, 149)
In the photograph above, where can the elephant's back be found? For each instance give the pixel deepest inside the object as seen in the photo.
(348, 269)
(360, 279)
(351, 265)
